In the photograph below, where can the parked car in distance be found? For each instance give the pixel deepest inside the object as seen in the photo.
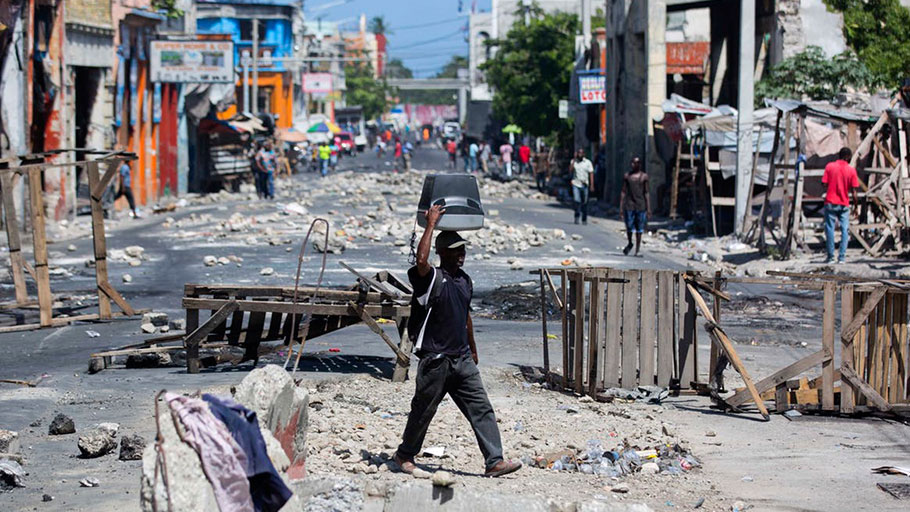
(451, 130)
(347, 142)
(360, 141)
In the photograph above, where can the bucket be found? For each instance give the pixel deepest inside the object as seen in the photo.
(459, 195)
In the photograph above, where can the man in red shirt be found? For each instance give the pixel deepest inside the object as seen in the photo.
(840, 177)
(524, 159)
(452, 149)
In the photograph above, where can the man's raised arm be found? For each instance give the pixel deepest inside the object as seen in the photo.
(423, 248)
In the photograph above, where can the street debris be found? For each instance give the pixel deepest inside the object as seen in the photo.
(60, 425)
(131, 447)
(89, 482)
(97, 442)
(11, 475)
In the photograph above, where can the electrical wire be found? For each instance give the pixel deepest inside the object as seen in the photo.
(422, 43)
(429, 24)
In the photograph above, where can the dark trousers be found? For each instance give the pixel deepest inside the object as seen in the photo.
(580, 198)
(128, 193)
(459, 377)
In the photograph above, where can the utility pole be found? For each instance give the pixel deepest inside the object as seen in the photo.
(245, 61)
(255, 109)
(745, 98)
(586, 22)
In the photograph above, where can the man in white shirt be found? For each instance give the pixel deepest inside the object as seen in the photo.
(582, 171)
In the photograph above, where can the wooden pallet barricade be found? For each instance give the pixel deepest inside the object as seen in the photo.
(32, 168)
(621, 328)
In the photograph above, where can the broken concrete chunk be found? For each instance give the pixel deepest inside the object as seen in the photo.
(421, 473)
(61, 424)
(443, 479)
(9, 441)
(109, 427)
(621, 488)
(95, 443)
(134, 251)
(209, 261)
(89, 482)
(127, 278)
(223, 261)
(71, 248)
(267, 271)
(131, 447)
(11, 475)
(147, 328)
(650, 468)
(155, 318)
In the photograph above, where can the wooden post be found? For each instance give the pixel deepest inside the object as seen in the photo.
(830, 296)
(16, 261)
(847, 402)
(564, 275)
(404, 346)
(42, 276)
(543, 322)
(714, 353)
(686, 346)
(674, 190)
(785, 203)
(579, 341)
(594, 322)
(772, 178)
(612, 327)
(666, 320)
(631, 313)
(100, 244)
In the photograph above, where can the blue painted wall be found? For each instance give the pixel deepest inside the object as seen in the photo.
(277, 34)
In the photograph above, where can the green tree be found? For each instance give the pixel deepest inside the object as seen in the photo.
(377, 25)
(879, 32)
(365, 90)
(395, 68)
(169, 7)
(812, 75)
(532, 69)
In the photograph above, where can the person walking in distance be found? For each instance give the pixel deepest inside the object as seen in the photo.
(505, 153)
(325, 153)
(126, 189)
(840, 177)
(634, 204)
(524, 158)
(267, 164)
(443, 334)
(452, 150)
(582, 172)
(473, 152)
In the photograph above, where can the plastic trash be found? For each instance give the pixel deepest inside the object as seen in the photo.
(93, 334)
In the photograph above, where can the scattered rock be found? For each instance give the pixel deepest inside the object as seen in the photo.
(267, 271)
(71, 248)
(739, 506)
(164, 328)
(209, 261)
(667, 429)
(710, 433)
(92, 334)
(95, 365)
(134, 251)
(89, 482)
(421, 473)
(179, 324)
(576, 236)
(111, 428)
(224, 261)
(11, 474)
(336, 244)
(155, 318)
(131, 447)
(621, 488)
(443, 479)
(9, 441)
(650, 468)
(127, 278)
(61, 424)
(95, 443)
(46, 497)
(147, 328)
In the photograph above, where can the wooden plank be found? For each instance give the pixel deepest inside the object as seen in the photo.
(648, 316)
(556, 298)
(400, 374)
(876, 376)
(594, 322)
(254, 329)
(579, 341)
(113, 166)
(887, 332)
(686, 344)
(61, 321)
(16, 260)
(666, 318)
(304, 293)
(109, 290)
(864, 388)
(903, 349)
(895, 390)
(830, 295)
(39, 235)
(780, 376)
(99, 243)
(565, 328)
(859, 347)
(631, 313)
(233, 336)
(377, 311)
(195, 337)
(376, 328)
(601, 328)
(719, 336)
(274, 326)
(543, 323)
(612, 327)
(859, 319)
(847, 402)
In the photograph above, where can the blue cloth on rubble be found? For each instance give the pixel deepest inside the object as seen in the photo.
(267, 489)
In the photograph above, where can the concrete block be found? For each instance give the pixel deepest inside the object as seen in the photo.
(282, 407)
(9, 441)
(189, 488)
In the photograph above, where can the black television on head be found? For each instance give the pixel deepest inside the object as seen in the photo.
(459, 195)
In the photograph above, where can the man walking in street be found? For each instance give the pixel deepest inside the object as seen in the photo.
(582, 172)
(452, 150)
(126, 190)
(443, 335)
(840, 177)
(325, 153)
(634, 204)
(267, 164)
(473, 151)
(524, 158)
(505, 153)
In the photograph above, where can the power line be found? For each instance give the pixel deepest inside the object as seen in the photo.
(422, 43)
(430, 24)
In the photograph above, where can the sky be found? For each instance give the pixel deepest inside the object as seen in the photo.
(424, 34)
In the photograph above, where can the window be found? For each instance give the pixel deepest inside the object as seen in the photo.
(246, 30)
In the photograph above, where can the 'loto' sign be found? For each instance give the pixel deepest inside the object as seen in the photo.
(592, 88)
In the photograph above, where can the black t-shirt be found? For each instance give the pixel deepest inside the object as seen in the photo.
(445, 330)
